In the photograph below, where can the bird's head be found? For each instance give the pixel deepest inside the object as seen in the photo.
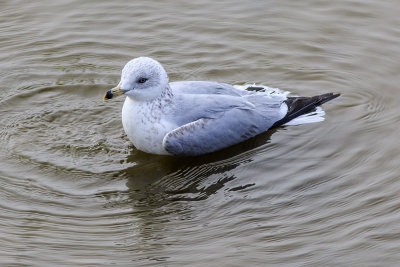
(142, 79)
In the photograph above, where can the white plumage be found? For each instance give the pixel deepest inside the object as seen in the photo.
(192, 118)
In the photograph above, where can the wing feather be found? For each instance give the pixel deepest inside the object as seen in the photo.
(207, 135)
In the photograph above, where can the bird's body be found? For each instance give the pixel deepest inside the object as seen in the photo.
(192, 118)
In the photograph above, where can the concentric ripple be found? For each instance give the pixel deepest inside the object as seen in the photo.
(75, 192)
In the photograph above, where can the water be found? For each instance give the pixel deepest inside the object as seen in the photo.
(75, 192)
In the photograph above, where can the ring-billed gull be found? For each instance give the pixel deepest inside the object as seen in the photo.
(191, 118)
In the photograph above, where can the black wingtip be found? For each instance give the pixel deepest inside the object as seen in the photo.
(327, 97)
(298, 106)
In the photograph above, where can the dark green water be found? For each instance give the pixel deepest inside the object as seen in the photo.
(75, 192)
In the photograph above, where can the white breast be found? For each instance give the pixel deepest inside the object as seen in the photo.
(145, 125)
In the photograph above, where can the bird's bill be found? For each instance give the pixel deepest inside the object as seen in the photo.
(114, 92)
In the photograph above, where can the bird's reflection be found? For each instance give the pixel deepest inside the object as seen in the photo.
(162, 190)
(163, 179)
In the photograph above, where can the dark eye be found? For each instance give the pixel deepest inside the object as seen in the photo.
(142, 80)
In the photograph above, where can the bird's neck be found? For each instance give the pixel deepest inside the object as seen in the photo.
(165, 99)
(162, 102)
(166, 93)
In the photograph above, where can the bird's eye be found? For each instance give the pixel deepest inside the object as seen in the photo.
(142, 80)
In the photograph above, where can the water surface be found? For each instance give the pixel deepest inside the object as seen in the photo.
(75, 192)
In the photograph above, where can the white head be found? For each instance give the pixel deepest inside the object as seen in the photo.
(142, 79)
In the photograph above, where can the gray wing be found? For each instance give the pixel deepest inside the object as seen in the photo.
(205, 87)
(223, 129)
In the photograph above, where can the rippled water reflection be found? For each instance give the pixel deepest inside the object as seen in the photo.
(75, 192)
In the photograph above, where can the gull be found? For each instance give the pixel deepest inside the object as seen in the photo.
(192, 118)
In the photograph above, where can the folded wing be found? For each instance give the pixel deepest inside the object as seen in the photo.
(207, 135)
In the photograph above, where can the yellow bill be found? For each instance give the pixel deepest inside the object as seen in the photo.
(114, 92)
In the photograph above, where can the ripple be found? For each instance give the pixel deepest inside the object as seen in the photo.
(74, 191)
(64, 127)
